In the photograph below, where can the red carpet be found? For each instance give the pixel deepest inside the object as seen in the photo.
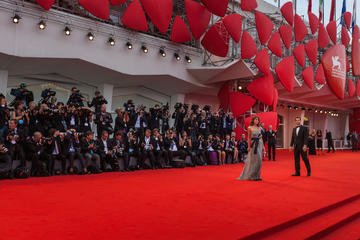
(192, 203)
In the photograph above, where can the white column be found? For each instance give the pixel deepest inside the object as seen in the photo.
(107, 91)
(3, 81)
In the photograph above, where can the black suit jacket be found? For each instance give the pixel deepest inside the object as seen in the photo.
(300, 140)
(271, 137)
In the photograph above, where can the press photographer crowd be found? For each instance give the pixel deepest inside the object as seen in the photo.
(51, 137)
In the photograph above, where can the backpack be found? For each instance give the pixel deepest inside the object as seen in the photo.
(21, 172)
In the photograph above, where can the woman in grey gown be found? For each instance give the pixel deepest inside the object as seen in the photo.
(253, 162)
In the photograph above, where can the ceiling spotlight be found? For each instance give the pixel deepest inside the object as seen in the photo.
(188, 59)
(16, 19)
(42, 25)
(309, 109)
(321, 111)
(296, 108)
(129, 45)
(303, 108)
(162, 52)
(91, 36)
(289, 106)
(177, 56)
(144, 49)
(316, 110)
(111, 41)
(325, 112)
(67, 31)
(239, 87)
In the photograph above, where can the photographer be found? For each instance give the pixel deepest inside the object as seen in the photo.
(22, 117)
(165, 118)
(45, 119)
(191, 126)
(46, 95)
(51, 150)
(105, 150)
(76, 98)
(72, 117)
(71, 146)
(97, 101)
(4, 116)
(22, 94)
(200, 146)
(103, 121)
(55, 150)
(59, 117)
(121, 121)
(172, 146)
(161, 155)
(155, 116)
(120, 149)
(229, 147)
(14, 140)
(203, 124)
(147, 144)
(140, 121)
(35, 152)
(5, 161)
(179, 115)
(89, 149)
(186, 146)
(85, 119)
(134, 149)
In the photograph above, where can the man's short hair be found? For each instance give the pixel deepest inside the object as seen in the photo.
(14, 120)
(87, 133)
(297, 117)
(103, 133)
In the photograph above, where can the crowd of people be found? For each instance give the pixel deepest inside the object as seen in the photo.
(50, 131)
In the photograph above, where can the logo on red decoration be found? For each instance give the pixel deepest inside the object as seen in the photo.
(334, 63)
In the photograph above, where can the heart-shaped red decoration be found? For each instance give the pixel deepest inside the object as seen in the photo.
(286, 35)
(248, 46)
(332, 31)
(285, 71)
(117, 2)
(159, 12)
(345, 39)
(287, 11)
(217, 7)
(248, 5)
(312, 50)
(323, 37)
(351, 87)
(264, 27)
(134, 17)
(198, 17)
(308, 76)
(358, 88)
(299, 53)
(180, 32)
(99, 8)
(240, 103)
(274, 44)
(314, 22)
(216, 41)
(45, 4)
(347, 19)
(276, 98)
(233, 24)
(334, 63)
(262, 61)
(300, 28)
(262, 89)
(355, 51)
(320, 74)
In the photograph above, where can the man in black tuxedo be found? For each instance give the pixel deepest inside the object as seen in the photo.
(299, 140)
(330, 141)
(271, 138)
(147, 144)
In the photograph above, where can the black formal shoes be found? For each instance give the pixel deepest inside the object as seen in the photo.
(296, 174)
(308, 174)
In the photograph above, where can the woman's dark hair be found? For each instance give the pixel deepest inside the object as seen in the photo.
(318, 131)
(253, 119)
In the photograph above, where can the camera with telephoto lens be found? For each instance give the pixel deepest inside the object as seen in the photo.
(47, 93)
